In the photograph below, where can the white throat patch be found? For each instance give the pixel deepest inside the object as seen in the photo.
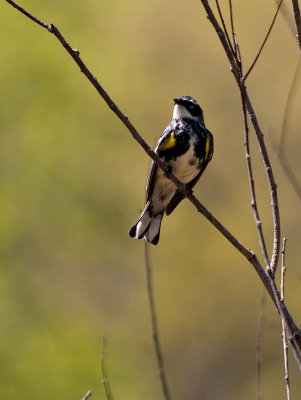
(180, 111)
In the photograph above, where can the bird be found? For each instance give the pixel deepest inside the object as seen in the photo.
(186, 147)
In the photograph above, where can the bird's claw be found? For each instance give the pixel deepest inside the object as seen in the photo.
(167, 171)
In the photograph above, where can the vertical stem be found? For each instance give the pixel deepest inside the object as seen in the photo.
(259, 345)
(272, 185)
(251, 180)
(105, 379)
(154, 323)
(260, 138)
(284, 342)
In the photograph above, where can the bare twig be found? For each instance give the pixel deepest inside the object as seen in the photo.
(259, 344)
(232, 26)
(23, 11)
(272, 185)
(252, 185)
(297, 17)
(224, 26)
(294, 338)
(258, 132)
(87, 395)
(105, 379)
(283, 270)
(284, 342)
(266, 278)
(223, 38)
(264, 41)
(154, 323)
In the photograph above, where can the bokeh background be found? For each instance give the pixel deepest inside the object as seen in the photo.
(72, 182)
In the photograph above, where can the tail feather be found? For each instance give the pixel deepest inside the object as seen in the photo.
(140, 227)
(147, 226)
(153, 233)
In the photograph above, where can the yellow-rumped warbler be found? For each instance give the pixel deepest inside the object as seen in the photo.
(186, 146)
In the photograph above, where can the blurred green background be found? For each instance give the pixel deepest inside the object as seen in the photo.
(72, 182)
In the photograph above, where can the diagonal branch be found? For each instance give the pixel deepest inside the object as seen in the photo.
(186, 191)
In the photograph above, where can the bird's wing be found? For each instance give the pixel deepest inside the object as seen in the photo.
(167, 140)
(178, 196)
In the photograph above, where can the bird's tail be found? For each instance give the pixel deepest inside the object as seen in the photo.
(147, 226)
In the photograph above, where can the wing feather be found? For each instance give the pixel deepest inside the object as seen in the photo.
(163, 140)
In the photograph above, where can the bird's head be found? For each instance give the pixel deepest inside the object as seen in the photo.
(187, 107)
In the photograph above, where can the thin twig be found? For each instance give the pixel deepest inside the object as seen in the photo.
(87, 395)
(259, 344)
(272, 186)
(283, 270)
(252, 184)
(224, 25)
(264, 41)
(232, 28)
(223, 39)
(23, 11)
(294, 338)
(284, 342)
(297, 18)
(105, 379)
(257, 219)
(154, 323)
(259, 135)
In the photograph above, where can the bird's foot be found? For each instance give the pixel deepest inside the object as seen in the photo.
(167, 171)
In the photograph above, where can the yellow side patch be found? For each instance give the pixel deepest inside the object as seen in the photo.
(207, 147)
(170, 142)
